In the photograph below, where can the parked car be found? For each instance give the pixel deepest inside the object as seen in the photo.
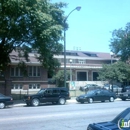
(116, 124)
(96, 95)
(54, 95)
(124, 95)
(88, 87)
(126, 88)
(5, 101)
(116, 88)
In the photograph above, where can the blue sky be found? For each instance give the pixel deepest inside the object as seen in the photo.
(90, 29)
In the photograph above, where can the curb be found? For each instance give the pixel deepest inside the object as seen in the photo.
(68, 101)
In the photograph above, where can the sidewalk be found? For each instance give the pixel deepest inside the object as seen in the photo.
(72, 100)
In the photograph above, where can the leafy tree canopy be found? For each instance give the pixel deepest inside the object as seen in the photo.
(118, 71)
(120, 42)
(59, 77)
(31, 24)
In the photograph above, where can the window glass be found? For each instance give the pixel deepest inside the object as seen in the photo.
(55, 91)
(34, 86)
(12, 71)
(49, 91)
(127, 117)
(1, 95)
(34, 71)
(16, 72)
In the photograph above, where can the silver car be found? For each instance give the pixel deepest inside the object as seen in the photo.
(116, 88)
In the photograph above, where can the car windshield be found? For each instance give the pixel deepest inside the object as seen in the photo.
(41, 91)
(1, 95)
(123, 115)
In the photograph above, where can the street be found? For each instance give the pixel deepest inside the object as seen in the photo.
(72, 116)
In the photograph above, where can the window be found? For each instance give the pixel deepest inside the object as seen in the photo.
(34, 71)
(91, 54)
(81, 76)
(81, 61)
(17, 86)
(16, 72)
(95, 76)
(34, 86)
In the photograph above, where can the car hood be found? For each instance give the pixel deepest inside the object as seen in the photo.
(104, 126)
(5, 97)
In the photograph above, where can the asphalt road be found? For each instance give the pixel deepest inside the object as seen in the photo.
(72, 116)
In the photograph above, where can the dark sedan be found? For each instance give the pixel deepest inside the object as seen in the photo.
(97, 95)
(121, 122)
(5, 101)
(124, 95)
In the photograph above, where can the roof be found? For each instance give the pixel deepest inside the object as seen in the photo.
(91, 54)
(16, 59)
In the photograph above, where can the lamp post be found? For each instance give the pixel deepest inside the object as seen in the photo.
(111, 53)
(77, 8)
(70, 70)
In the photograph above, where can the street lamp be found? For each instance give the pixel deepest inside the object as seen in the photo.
(111, 53)
(70, 70)
(77, 8)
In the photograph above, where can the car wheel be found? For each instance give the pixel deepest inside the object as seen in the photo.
(2, 105)
(111, 99)
(90, 100)
(62, 101)
(123, 99)
(35, 102)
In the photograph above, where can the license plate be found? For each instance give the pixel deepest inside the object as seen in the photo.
(126, 95)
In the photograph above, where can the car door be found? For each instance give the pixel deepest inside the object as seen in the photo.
(47, 96)
(97, 95)
(55, 95)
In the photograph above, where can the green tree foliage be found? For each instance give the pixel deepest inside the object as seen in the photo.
(59, 77)
(120, 42)
(118, 71)
(31, 24)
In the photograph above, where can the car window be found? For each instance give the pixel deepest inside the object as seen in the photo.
(127, 117)
(41, 91)
(48, 92)
(106, 92)
(98, 92)
(56, 91)
(1, 95)
(115, 86)
(63, 90)
(90, 92)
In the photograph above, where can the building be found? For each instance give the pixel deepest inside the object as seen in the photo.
(14, 79)
(83, 66)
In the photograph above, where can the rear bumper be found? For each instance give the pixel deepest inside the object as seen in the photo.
(68, 98)
(27, 101)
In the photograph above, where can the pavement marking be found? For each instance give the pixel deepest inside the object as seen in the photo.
(87, 113)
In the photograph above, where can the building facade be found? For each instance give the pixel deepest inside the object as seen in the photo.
(83, 67)
(14, 80)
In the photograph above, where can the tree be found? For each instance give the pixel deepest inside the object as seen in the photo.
(59, 77)
(120, 42)
(118, 72)
(31, 24)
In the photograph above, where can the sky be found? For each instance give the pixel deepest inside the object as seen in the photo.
(90, 29)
